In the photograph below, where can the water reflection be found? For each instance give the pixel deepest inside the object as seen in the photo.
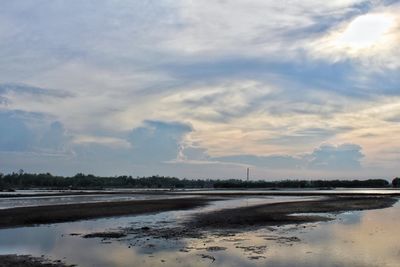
(364, 191)
(367, 238)
(15, 202)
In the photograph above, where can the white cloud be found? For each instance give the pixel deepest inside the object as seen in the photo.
(102, 140)
(251, 28)
(370, 39)
(366, 31)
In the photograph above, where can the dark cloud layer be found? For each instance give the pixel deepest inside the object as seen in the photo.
(14, 134)
(30, 132)
(157, 141)
(341, 157)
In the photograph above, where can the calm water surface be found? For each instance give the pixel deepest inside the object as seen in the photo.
(15, 202)
(365, 191)
(367, 238)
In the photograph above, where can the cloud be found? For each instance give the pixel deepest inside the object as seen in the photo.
(16, 136)
(31, 132)
(32, 91)
(221, 102)
(341, 157)
(136, 85)
(326, 157)
(154, 142)
(305, 136)
(12, 94)
(54, 138)
(273, 161)
(157, 141)
(251, 28)
(145, 150)
(370, 39)
(193, 154)
(112, 142)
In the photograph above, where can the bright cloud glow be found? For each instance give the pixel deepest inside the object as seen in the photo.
(366, 31)
(371, 39)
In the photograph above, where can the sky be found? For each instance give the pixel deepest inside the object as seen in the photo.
(201, 89)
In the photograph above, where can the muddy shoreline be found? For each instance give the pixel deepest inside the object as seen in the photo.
(27, 216)
(220, 193)
(226, 223)
(29, 261)
(287, 212)
(267, 214)
(234, 220)
(83, 193)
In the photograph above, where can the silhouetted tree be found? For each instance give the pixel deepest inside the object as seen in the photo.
(396, 182)
(80, 180)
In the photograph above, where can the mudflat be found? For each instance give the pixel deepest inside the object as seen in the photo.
(28, 261)
(198, 226)
(26, 216)
(265, 214)
(287, 212)
(234, 220)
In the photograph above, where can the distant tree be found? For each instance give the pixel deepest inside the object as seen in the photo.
(396, 182)
(23, 180)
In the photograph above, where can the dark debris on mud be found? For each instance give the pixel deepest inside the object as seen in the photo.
(29, 261)
(206, 256)
(105, 235)
(175, 233)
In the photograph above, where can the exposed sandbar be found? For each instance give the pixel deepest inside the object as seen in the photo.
(26, 216)
(265, 214)
(287, 212)
(28, 261)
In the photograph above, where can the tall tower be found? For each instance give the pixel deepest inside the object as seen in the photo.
(248, 174)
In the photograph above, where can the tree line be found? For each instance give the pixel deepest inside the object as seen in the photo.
(23, 180)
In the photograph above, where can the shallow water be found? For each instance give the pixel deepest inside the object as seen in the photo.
(365, 191)
(15, 202)
(366, 238)
(141, 194)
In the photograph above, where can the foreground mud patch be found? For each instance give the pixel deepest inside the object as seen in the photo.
(73, 212)
(228, 222)
(285, 213)
(253, 232)
(28, 261)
